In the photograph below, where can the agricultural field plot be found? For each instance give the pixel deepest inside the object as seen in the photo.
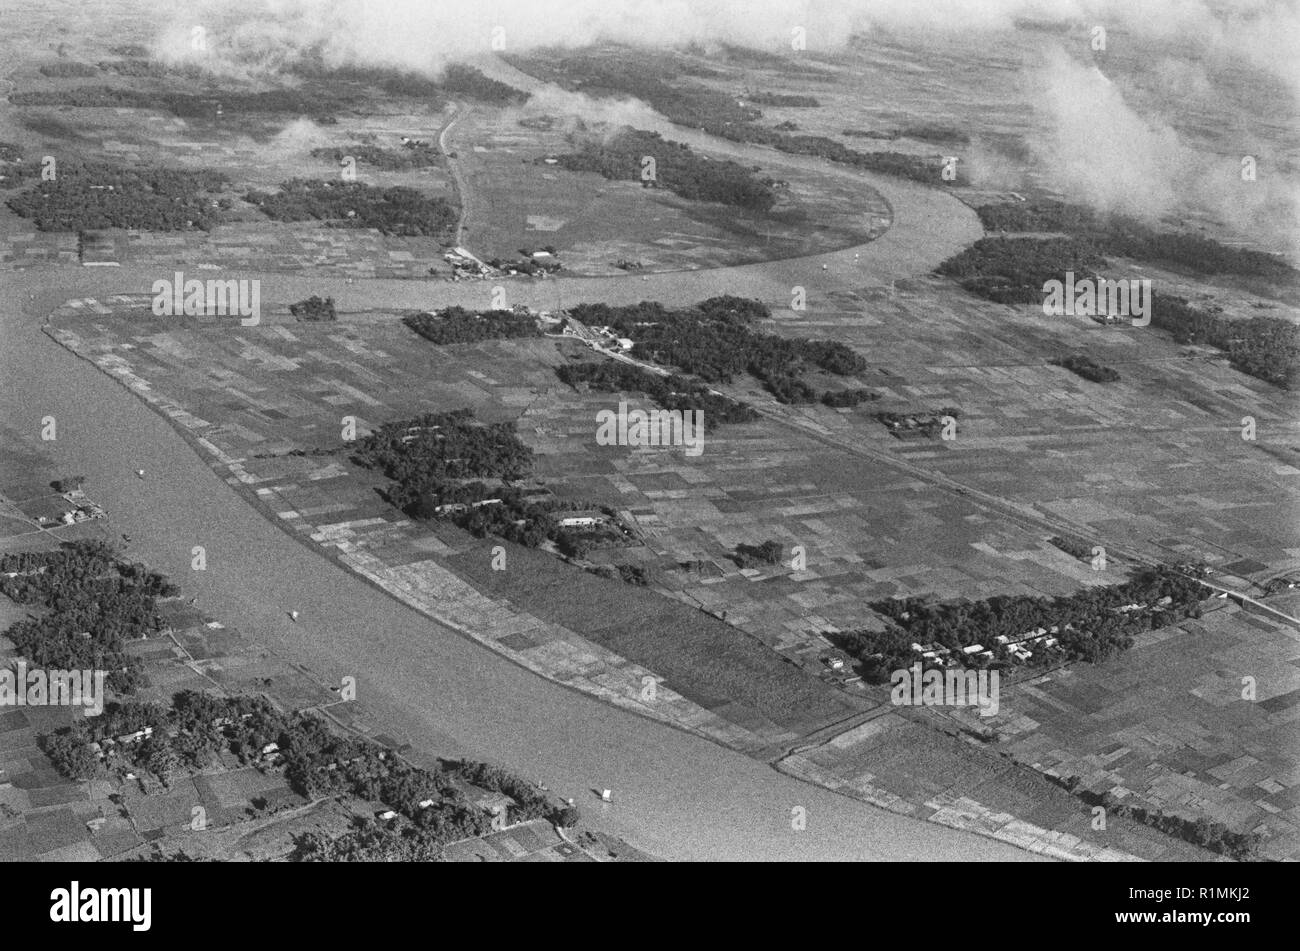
(520, 201)
(254, 150)
(253, 404)
(323, 372)
(1156, 461)
(1166, 726)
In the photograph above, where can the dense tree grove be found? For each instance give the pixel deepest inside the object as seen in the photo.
(314, 309)
(1073, 546)
(672, 392)
(310, 101)
(840, 399)
(457, 325)
(1088, 368)
(87, 196)
(469, 82)
(436, 447)
(1014, 270)
(756, 556)
(457, 81)
(715, 341)
(1267, 348)
(388, 160)
(1122, 236)
(718, 113)
(677, 168)
(95, 604)
(394, 210)
(437, 463)
(1088, 625)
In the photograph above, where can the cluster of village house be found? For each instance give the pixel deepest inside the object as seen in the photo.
(464, 265)
(1016, 647)
(82, 510)
(493, 803)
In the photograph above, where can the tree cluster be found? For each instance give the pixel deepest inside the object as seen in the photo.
(780, 99)
(1014, 270)
(1202, 832)
(699, 107)
(756, 556)
(1123, 236)
(1088, 368)
(93, 195)
(457, 325)
(94, 605)
(671, 392)
(677, 167)
(393, 210)
(388, 160)
(1264, 347)
(715, 341)
(1089, 625)
(318, 763)
(314, 309)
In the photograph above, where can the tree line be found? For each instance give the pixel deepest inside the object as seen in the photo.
(458, 325)
(395, 210)
(1088, 624)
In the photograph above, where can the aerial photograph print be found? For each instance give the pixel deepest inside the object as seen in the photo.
(650, 431)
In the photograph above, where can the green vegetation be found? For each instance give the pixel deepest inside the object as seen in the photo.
(318, 764)
(439, 462)
(769, 552)
(779, 99)
(470, 83)
(1122, 236)
(68, 484)
(532, 267)
(1088, 368)
(1267, 348)
(88, 196)
(1215, 836)
(841, 399)
(314, 309)
(904, 425)
(420, 155)
(715, 341)
(1014, 270)
(673, 392)
(1093, 624)
(94, 605)
(65, 69)
(457, 325)
(699, 107)
(677, 168)
(940, 134)
(308, 101)
(458, 81)
(1075, 547)
(394, 210)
